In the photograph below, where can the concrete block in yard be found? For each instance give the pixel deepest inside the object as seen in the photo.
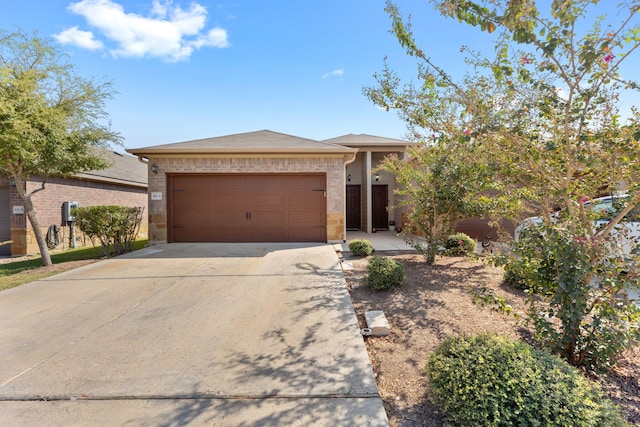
(377, 322)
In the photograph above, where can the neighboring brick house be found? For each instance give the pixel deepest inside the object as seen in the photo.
(124, 183)
(264, 186)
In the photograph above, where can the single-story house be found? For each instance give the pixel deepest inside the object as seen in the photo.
(267, 186)
(124, 183)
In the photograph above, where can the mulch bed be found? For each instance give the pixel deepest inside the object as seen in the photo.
(437, 302)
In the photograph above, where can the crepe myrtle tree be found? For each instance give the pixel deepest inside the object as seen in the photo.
(441, 183)
(50, 119)
(546, 107)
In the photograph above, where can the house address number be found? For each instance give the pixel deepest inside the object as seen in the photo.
(18, 210)
(156, 195)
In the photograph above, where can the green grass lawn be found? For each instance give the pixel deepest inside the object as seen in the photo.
(17, 273)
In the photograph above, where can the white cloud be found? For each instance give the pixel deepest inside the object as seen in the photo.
(83, 39)
(169, 32)
(339, 72)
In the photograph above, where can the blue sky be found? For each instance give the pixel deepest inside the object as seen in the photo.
(194, 69)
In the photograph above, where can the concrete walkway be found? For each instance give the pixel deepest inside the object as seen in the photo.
(381, 241)
(188, 334)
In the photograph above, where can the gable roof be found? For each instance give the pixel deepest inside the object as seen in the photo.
(124, 170)
(260, 142)
(364, 140)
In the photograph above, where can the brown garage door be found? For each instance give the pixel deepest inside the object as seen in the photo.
(247, 208)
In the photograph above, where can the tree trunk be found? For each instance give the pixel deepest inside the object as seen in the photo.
(42, 244)
(432, 246)
(21, 187)
(432, 250)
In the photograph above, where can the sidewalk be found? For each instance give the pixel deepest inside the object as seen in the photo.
(382, 241)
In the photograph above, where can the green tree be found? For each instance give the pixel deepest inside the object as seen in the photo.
(441, 183)
(50, 118)
(547, 111)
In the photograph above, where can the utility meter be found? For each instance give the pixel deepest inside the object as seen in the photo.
(66, 212)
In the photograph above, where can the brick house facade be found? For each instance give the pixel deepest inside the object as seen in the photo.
(331, 165)
(271, 155)
(122, 184)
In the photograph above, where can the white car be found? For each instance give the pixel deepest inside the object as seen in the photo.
(625, 238)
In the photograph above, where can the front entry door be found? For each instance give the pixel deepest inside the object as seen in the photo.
(353, 207)
(380, 201)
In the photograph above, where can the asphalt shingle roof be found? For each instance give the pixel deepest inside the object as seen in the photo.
(264, 141)
(124, 169)
(364, 140)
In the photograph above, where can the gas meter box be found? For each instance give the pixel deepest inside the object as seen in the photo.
(66, 212)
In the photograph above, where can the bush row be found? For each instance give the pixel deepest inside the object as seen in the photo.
(115, 227)
(454, 244)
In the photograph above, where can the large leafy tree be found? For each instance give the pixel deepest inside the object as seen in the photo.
(51, 119)
(547, 109)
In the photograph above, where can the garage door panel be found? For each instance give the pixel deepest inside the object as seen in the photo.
(268, 217)
(186, 202)
(221, 200)
(238, 218)
(306, 217)
(228, 183)
(268, 235)
(305, 199)
(305, 182)
(192, 217)
(192, 234)
(247, 208)
(259, 184)
(190, 183)
(272, 199)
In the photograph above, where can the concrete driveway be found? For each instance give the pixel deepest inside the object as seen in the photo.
(197, 334)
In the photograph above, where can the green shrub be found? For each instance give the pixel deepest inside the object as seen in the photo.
(589, 326)
(115, 227)
(360, 247)
(494, 381)
(459, 244)
(384, 273)
(514, 276)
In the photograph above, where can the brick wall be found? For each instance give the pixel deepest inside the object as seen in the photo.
(48, 207)
(5, 229)
(332, 166)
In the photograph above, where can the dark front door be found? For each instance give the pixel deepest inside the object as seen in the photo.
(380, 201)
(353, 207)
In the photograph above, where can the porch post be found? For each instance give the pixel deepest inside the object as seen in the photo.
(368, 207)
